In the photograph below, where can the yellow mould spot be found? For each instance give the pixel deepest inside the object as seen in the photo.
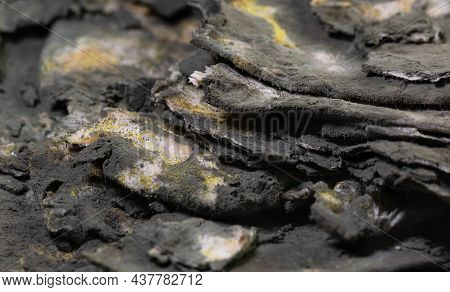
(330, 200)
(318, 2)
(406, 5)
(7, 150)
(97, 172)
(328, 3)
(195, 107)
(147, 181)
(77, 60)
(53, 256)
(268, 14)
(385, 10)
(211, 181)
(172, 149)
(74, 193)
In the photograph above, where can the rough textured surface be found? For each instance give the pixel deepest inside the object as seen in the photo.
(346, 210)
(31, 249)
(413, 63)
(296, 136)
(191, 243)
(16, 14)
(406, 29)
(169, 168)
(307, 248)
(273, 49)
(382, 16)
(225, 87)
(77, 206)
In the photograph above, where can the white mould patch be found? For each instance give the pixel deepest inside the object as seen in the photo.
(403, 76)
(7, 150)
(142, 175)
(216, 248)
(329, 61)
(389, 9)
(197, 77)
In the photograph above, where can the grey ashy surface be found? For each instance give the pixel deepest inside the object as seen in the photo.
(111, 160)
(18, 14)
(279, 50)
(425, 63)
